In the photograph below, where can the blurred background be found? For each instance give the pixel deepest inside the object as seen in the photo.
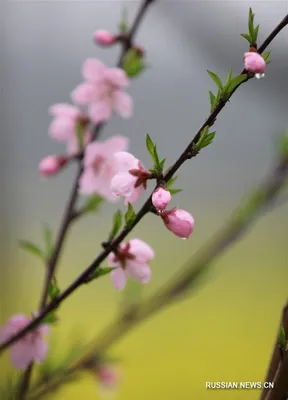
(224, 332)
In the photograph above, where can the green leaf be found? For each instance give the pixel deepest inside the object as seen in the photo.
(54, 290)
(100, 272)
(175, 191)
(229, 77)
(171, 182)
(234, 83)
(123, 26)
(251, 22)
(50, 318)
(255, 34)
(216, 79)
(212, 99)
(133, 63)
(247, 37)
(162, 163)
(205, 139)
(130, 215)
(93, 204)
(282, 339)
(152, 149)
(117, 223)
(80, 135)
(266, 55)
(32, 249)
(48, 240)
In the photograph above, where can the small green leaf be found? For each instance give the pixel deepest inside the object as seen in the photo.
(171, 182)
(152, 149)
(133, 63)
(123, 26)
(54, 291)
(282, 339)
(251, 22)
(93, 204)
(247, 37)
(216, 79)
(175, 191)
(32, 248)
(162, 163)
(80, 135)
(50, 318)
(100, 272)
(48, 240)
(266, 55)
(130, 215)
(205, 139)
(212, 99)
(229, 77)
(117, 223)
(255, 34)
(234, 83)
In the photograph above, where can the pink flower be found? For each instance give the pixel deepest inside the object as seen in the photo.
(255, 63)
(131, 260)
(31, 347)
(104, 38)
(99, 168)
(51, 165)
(63, 126)
(180, 222)
(130, 176)
(161, 197)
(102, 91)
(108, 376)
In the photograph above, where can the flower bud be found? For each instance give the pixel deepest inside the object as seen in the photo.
(51, 165)
(108, 377)
(255, 63)
(104, 38)
(161, 197)
(180, 222)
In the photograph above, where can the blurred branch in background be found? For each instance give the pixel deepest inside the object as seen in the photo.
(183, 284)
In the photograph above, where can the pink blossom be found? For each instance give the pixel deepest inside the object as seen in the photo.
(131, 260)
(104, 38)
(31, 347)
(99, 168)
(131, 177)
(102, 91)
(255, 63)
(180, 222)
(108, 376)
(51, 165)
(63, 126)
(161, 197)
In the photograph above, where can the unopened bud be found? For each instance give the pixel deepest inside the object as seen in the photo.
(104, 38)
(180, 222)
(51, 165)
(161, 197)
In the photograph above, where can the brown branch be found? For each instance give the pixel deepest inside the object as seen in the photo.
(187, 154)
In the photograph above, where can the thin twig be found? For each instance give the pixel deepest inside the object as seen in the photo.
(143, 211)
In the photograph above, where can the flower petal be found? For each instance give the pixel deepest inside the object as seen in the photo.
(101, 110)
(122, 184)
(141, 250)
(123, 103)
(93, 70)
(138, 271)
(83, 93)
(119, 278)
(64, 110)
(117, 77)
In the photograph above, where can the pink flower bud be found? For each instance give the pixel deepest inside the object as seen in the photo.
(180, 222)
(254, 62)
(161, 197)
(51, 165)
(104, 38)
(108, 376)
